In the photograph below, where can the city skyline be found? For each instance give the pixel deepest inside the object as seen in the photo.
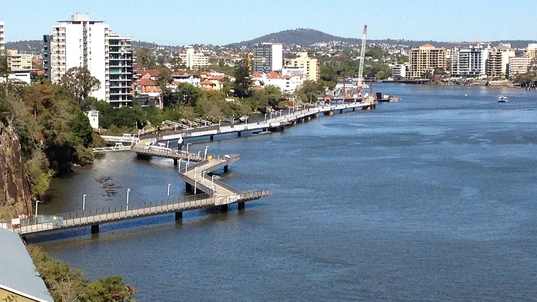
(168, 22)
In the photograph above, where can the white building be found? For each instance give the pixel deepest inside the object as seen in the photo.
(83, 42)
(93, 116)
(399, 71)
(469, 62)
(267, 57)
(518, 66)
(2, 37)
(286, 83)
(498, 60)
(193, 59)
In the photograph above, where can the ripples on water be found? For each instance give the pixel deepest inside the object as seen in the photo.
(431, 198)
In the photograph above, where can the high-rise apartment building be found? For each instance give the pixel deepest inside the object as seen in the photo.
(2, 38)
(498, 60)
(425, 59)
(267, 57)
(194, 60)
(120, 70)
(469, 62)
(83, 42)
(310, 65)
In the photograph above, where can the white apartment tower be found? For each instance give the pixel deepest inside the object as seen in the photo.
(2, 38)
(469, 62)
(83, 42)
(267, 57)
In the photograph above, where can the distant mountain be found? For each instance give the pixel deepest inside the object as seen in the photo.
(307, 37)
(300, 36)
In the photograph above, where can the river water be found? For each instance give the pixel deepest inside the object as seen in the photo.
(430, 198)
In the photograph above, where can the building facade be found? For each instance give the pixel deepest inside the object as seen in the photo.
(399, 71)
(81, 42)
(2, 38)
(17, 61)
(194, 60)
(426, 59)
(120, 70)
(469, 62)
(518, 66)
(498, 60)
(267, 57)
(531, 51)
(311, 66)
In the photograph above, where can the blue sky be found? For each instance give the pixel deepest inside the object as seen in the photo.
(178, 22)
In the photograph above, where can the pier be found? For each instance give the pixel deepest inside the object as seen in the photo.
(208, 192)
(277, 122)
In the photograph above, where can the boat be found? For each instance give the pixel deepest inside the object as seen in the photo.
(386, 98)
(502, 99)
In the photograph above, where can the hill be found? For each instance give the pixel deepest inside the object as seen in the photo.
(300, 36)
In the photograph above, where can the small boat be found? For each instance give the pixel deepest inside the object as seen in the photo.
(502, 99)
(243, 118)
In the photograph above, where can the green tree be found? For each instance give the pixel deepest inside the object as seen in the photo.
(177, 63)
(82, 129)
(144, 58)
(80, 82)
(274, 95)
(65, 284)
(243, 83)
(328, 76)
(309, 91)
(188, 94)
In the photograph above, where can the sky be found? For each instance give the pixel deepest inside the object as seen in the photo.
(220, 22)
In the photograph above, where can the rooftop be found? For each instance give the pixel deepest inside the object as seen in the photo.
(18, 274)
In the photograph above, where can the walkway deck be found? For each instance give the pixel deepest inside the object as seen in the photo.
(96, 217)
(278, 122)
(215, 193)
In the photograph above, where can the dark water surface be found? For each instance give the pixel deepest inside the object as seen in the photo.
(431, 198)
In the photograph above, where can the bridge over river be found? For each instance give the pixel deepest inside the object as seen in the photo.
(208, 192)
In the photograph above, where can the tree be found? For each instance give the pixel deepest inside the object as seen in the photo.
(80, 83)
(65, 284)
(328, 76)
(176, 63)
(309, 91)
(243, 83)
(274, 95)
(188, 94)
(144, 58)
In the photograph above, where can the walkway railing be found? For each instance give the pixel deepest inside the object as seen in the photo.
(113, 214)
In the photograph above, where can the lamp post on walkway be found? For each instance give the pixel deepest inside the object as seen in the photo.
(128, 192)
(203, 176)
(84, 202)
(199, 154)
(205, 152)
(212, 182)
(36, 204)
(168, 193)
(195, 186)
(188, 144)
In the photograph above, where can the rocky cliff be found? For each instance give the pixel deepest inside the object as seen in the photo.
(15, 199)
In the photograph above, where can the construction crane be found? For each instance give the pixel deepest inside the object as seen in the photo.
(362, 58)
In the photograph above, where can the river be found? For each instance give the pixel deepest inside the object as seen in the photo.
(430, 198)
